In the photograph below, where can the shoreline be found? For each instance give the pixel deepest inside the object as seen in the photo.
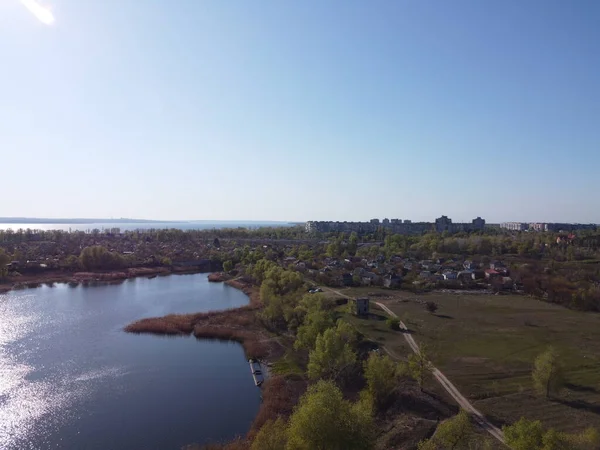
(86, 278)
(242, 325)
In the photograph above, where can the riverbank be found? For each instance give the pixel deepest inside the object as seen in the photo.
(243, 325)
(76, 278)
(240, 325)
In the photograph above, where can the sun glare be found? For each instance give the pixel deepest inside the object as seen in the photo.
(43, 14)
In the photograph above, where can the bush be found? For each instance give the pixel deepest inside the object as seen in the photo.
(432, 307)
(393, 323)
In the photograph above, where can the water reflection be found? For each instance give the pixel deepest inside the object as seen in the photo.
(70, 378)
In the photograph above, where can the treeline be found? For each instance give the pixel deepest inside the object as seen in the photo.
(161, 235)
(99, 258)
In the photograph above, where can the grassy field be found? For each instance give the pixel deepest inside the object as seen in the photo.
(486, 345)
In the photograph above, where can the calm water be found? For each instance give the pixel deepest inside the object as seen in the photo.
(71, 378)
(200, 225)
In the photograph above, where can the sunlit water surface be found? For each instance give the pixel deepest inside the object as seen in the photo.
(71, 378)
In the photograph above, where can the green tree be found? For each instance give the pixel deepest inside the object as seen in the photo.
(228, 266)
(323, 420)
(332, 355)
(530, 435)
(419, 366)
(315, 322)
(393, 323)
(524, 434)
(547, 373)
(4, 260)
(98, 257)
(453, 433)
(381, 374)
(353, 243)
(166, 261)
(272, 436)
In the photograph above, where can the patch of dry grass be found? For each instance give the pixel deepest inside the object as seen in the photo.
(173, 324)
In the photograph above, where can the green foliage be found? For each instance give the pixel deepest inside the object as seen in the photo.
(228, 266)
(393, 323)
(352, 243)
(547, 373)
(419, 366)
(272, 436)
(72, 262)
(381, 374)
(279, 293)
(259, 270)
(454, 433)
(4, 260)
(324, 420)
(316, 322)
(166, 261)
(278, 281)
(333, 354)
(524, 434)
(530, 435)
(98, 257)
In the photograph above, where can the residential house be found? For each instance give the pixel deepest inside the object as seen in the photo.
(470, 265)
(425, 274)
(491, 273)
(347, 279)
(478, 274)
(392, 281)
(359, 271)
(507, 283)
(465, 276)
(497, 265)
(449, 276)
(369, 278)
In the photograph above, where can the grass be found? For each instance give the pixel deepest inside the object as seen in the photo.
(288, 364)
(486, 345)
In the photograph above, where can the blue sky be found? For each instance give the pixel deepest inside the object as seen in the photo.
(311, 110)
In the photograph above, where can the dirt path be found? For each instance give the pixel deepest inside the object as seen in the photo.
(441, 378)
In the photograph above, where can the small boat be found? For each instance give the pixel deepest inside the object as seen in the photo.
(256, 371)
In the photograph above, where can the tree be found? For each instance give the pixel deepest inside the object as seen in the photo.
(4, 260)
(530, 435)
(353, 243)
(393, 323)
(324, 420)
(98, 257)
(315, 322)
(547, 373)
(272, 436)
(332, 355)
(228, 265)
(419, 366)
(524, 434)
(432, 307)
(454, 433)
(381, 374)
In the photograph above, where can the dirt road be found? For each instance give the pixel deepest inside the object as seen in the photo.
(441, 378)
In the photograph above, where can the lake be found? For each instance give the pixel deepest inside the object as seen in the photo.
(71, 378)
(128, 226)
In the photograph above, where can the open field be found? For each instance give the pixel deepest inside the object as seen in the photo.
(486, 345)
